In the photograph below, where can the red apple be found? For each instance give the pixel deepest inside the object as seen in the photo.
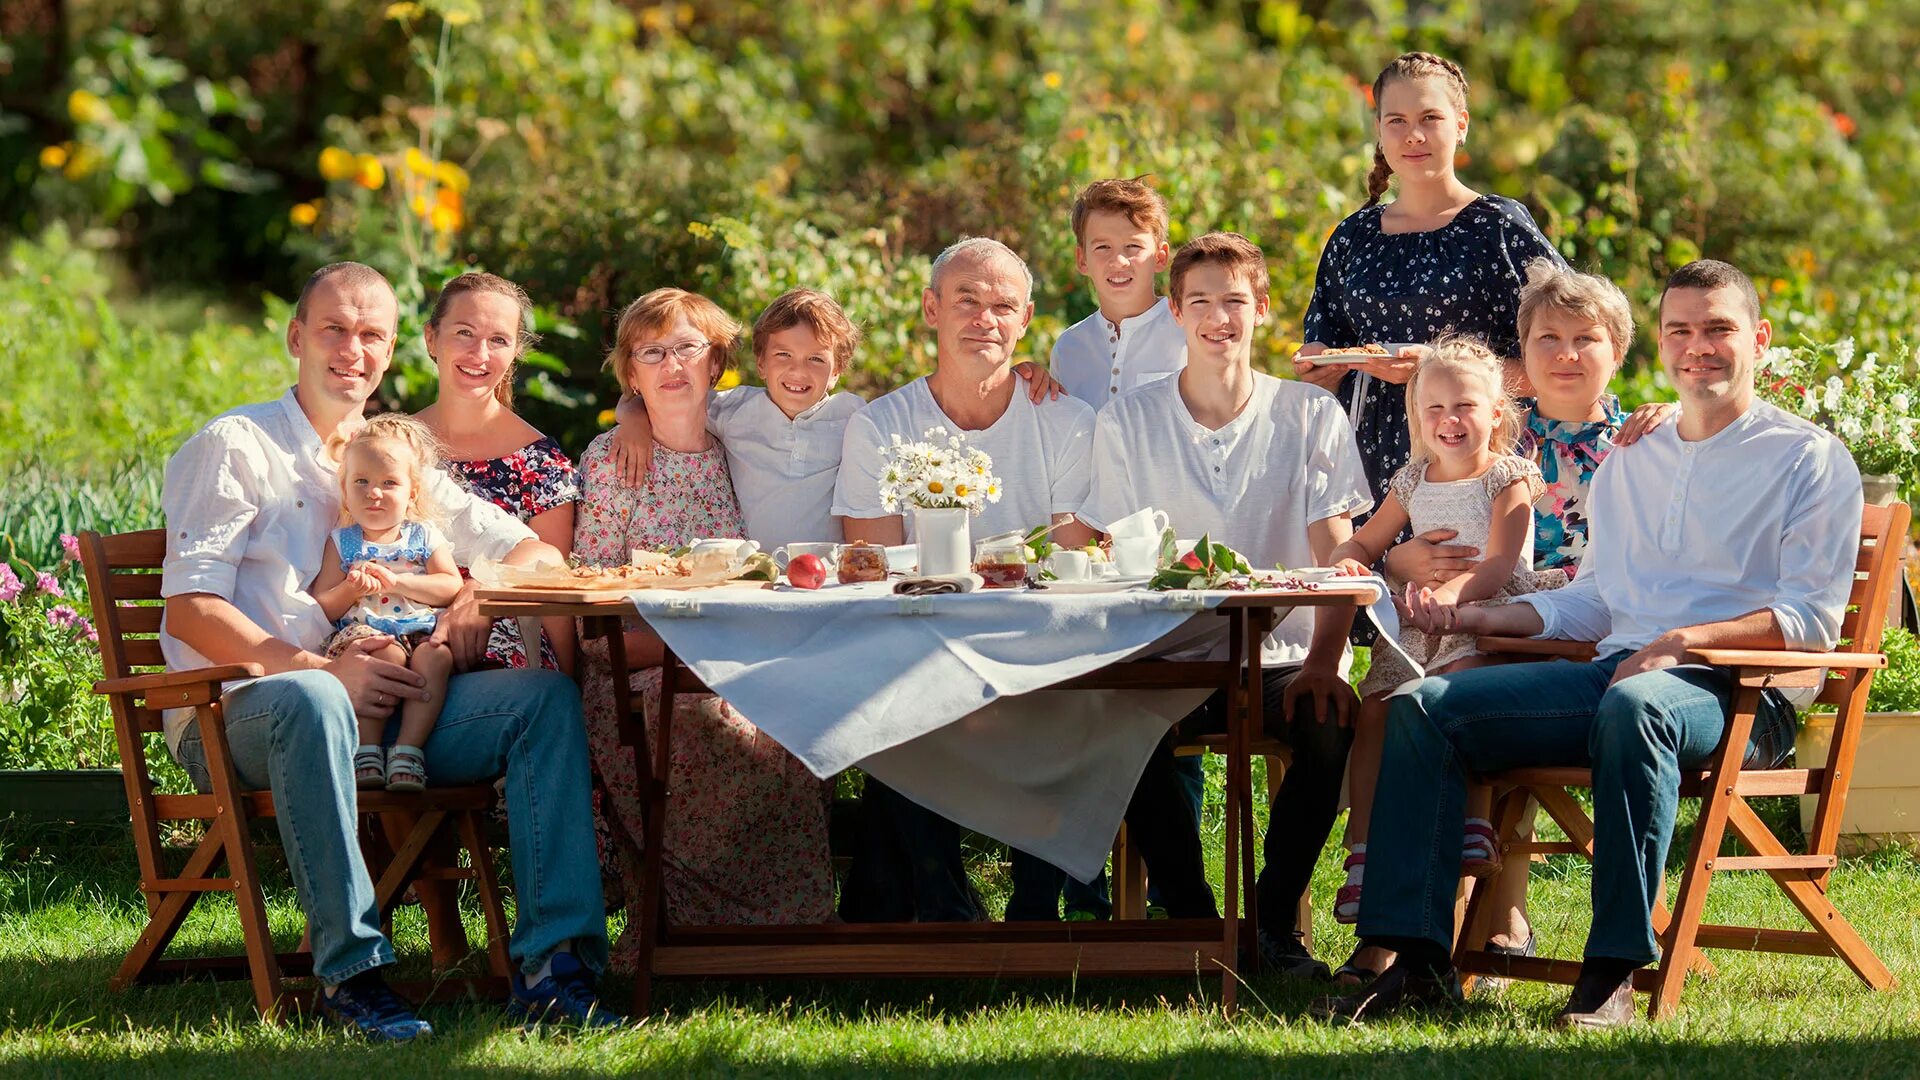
(1191, 560)
(807, 572)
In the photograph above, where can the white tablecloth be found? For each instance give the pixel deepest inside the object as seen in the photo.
(936, 695)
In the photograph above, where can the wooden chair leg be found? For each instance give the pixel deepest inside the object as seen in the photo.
(1129, 878)
(488, 883)
(1806, 894)
(170, 910)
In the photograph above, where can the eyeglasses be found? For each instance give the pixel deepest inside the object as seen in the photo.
(688, 351)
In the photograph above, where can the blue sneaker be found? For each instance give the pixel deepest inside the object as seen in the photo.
(366, 1002)
(564, 997)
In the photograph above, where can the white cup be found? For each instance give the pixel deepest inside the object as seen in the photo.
(1070, 565)
(1143, 522)
(731, 548)
(785, 553)
(1136, 556)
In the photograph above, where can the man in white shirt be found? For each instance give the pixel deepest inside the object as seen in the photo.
(1736, 528)
(1270, 469)
(250, 500)
(979, 303)
(1120, 244)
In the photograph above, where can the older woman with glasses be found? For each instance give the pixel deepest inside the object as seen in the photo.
(746, 840)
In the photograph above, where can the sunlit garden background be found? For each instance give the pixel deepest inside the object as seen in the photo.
(170, 170)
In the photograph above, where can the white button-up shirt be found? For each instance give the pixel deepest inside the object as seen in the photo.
(250, 501)
(1255, 484)
(1764, 514)
(783, 470)
(1098, 361)
(1041, 453)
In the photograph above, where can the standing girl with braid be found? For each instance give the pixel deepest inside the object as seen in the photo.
(1440, 258)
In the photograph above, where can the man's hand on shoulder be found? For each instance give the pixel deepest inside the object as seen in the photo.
(376, 687)
(1041, 386)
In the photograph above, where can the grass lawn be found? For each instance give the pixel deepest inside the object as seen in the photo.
(69, 910)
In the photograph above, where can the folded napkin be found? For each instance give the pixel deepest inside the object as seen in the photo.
(943, 583)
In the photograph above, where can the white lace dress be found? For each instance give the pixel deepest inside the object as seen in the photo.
(1465, 506)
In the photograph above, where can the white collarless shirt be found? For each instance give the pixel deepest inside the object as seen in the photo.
(1041, 453)
(1255, 484)
(1764, 514)
(783, 470)
(1098, 361)
(250, 501)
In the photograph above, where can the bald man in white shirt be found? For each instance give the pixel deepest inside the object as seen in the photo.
(1734, 528)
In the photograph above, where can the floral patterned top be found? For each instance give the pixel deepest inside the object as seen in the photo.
(686, 497)
(1568, 452)
(526, 483)
(1377, 287)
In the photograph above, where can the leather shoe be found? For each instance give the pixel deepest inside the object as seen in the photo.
(1399, 987)
(1598, 1003)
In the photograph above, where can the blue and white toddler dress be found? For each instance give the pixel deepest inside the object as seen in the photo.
(390, 613)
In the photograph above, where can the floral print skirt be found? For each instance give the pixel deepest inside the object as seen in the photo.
(746, 830)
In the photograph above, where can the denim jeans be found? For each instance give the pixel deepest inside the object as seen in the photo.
(295, 733)
(1635, 736)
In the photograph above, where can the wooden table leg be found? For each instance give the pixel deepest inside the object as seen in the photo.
(1236, 746)
(1259, 621)
(633, 733)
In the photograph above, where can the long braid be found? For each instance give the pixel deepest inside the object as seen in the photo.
(1406, 67)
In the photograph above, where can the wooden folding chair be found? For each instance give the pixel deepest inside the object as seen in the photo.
(123, 580)
(1724, 787)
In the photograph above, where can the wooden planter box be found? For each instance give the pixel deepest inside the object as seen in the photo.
(63, 794)
(1883, 806)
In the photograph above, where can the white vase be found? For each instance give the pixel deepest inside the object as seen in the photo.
(1879, 488)
(943, 540)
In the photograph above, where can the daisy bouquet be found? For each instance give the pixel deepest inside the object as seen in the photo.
(939, 472)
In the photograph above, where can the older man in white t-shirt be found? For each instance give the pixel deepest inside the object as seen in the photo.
(978, 303)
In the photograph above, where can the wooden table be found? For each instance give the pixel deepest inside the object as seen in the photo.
(916, 950)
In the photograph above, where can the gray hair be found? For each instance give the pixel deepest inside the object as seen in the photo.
(979, 247)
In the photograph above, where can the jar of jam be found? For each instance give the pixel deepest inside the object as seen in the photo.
(861, 561)
(1001, 561)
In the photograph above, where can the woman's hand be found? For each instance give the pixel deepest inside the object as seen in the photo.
(1429, 561)
(1041, 385)
(1326, 377)
(1399, 367)
(1352, 568)
(1644, 419)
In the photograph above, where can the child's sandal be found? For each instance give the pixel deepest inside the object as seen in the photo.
(406, 769)
(369, 768)
(1480, 852)
(1346, 902)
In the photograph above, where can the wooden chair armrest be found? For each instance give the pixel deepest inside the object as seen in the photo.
(1546, 647)
(1786, 658)
(168, 680)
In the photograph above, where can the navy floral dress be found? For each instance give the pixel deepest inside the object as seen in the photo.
(1568, 453)
(526, 483)
(1375, 287)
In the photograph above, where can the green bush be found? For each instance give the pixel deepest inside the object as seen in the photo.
(1896, 688)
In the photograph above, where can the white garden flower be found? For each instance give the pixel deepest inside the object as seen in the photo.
(1843, 352)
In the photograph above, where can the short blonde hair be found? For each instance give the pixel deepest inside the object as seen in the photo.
(1562, 288)
(655, 312)
(816, 311)
(1468, 356)
(420, 449)
(1241, 256)
(1139, 203)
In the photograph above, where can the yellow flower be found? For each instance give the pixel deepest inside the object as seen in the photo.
(52, 157)
(728, 380)
(444, 218)
(452, 176)
(457, 16)
(303, 214)
(1052, 79)
(338, 164)
(418, 163)
(605, 418)
(87, 107)
(372, 175)
(402, 11)
(418, 204)
(81, 162)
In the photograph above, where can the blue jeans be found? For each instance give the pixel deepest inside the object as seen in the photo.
(295, 733)
(1635, 736)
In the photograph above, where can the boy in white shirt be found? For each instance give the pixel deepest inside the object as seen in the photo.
(1270, 468)
(783, 440)
(1120, 244)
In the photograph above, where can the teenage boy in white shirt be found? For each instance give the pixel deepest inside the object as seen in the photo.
(1735, 527)
(1120, 244)
(1269, 468)
(250, 500)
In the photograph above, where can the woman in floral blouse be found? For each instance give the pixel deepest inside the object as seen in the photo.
(480, 325)
(746, 838)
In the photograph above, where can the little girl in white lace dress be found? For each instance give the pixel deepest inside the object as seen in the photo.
(1464, 477)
